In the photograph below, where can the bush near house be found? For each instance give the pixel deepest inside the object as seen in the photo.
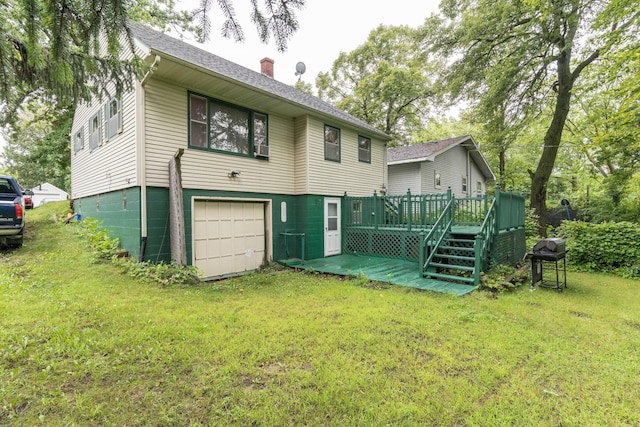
(609, 246)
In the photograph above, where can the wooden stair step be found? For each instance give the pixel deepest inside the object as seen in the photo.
(457, 248)
(452, 266)
(456, 257)
(449, 277)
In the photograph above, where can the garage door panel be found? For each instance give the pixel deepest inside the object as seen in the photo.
(229, 237)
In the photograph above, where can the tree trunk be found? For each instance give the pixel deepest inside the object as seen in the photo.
(552, 138)
(501, 168)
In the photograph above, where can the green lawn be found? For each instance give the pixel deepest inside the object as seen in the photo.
(81, 344)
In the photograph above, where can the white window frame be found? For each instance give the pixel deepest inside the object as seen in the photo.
(464, 185)
(78, 140)
(114, 123)
(437, 179)
(95, 136)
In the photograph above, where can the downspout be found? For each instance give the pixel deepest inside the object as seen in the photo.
(141, 144)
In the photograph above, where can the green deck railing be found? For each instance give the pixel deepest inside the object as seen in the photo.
(430, 241)
(412, 226)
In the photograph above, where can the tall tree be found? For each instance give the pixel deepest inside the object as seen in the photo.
(53, 46)
(520, 54)
(387, 81)
(37, 148)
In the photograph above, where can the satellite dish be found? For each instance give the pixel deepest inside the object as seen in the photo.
(300, 68)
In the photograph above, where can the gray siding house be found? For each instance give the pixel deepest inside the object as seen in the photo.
(433, 167)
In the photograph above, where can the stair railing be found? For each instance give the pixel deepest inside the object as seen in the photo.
(436, 234)
(484, 239)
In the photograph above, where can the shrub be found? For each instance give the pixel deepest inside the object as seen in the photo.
(608, 246)
(106, 248)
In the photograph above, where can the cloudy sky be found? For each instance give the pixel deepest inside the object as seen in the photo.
(327, 27)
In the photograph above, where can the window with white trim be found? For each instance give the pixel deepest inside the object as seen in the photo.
(364, 149)
(479, 188)
(78, 140)
(464, 185)
(436, 179)
(331, 143)
(114, 116)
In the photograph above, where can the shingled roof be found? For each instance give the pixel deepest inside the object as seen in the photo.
(167, 45)
(428, 151)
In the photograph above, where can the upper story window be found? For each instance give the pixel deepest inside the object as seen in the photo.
(331, 143)
(364, 149)
(114, 115)
(78, 140)
(219, 126)
(95, 131)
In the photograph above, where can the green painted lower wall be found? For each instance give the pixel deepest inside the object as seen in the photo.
(304, 214)
(119, 211)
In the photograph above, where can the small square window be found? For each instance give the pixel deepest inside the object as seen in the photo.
(364, 149)
(436, 179)
(331, 143)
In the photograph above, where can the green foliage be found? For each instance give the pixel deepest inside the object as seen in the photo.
(531, 228)
(162, 273)
(387, 81)
(503, 278)
(609, 246)
(107, 249)
(104, 247)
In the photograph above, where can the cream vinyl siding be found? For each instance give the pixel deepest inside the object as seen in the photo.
(350, 175)
(301, 155)
(167, 131)
(112, 165)
(403, 177)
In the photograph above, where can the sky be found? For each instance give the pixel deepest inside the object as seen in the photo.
(327, 27)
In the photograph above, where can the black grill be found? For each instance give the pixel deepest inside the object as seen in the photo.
(553, 250)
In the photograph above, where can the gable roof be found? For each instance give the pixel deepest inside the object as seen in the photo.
(160, 43)
(428, 151)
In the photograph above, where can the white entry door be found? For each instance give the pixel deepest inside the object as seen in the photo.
(332, 241)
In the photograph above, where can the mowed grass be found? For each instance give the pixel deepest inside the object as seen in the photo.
(81, 344)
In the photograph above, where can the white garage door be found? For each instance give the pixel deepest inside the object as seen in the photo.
(229, 237)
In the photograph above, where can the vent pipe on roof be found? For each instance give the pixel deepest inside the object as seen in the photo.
(266, 67)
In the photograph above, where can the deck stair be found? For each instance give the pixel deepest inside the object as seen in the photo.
(453, 260)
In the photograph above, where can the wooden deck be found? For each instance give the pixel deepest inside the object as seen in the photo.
(394, 271)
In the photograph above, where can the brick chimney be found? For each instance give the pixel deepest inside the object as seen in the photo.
(266, 67)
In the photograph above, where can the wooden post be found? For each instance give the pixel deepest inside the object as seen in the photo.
(478, 261)
(375, 210)
(176, 211)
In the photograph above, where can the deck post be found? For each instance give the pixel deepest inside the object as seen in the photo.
(498, 215)
(409, 208)
(421, 259)
(375, 210)
(477, 255)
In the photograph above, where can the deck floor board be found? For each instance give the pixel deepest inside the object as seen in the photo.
(388, 270)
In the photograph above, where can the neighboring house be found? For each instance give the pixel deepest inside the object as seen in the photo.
(260, 159)
(46, 192)
(433, 167)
